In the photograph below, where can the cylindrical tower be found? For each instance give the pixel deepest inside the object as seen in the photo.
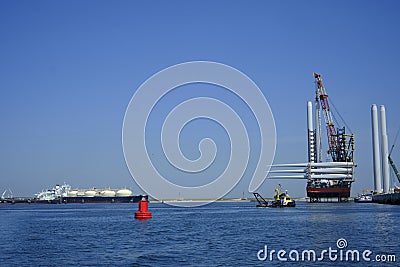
(311, 135)
(385, 151)
(376, 150)
(309, 116)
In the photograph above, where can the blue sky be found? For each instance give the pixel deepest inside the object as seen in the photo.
(69, 68)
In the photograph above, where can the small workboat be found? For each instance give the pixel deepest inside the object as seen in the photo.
(281, 199)
(365, 197)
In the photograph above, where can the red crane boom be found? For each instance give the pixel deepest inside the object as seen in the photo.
(341, 145)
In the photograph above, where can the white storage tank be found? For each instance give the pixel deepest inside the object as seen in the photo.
(72, 193)
(124, 193)
(107, 193)
(90, 193)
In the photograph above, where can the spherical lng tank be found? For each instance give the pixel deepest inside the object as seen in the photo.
(80, 193)
(90, 193)
(72, 193)
(124, 193)
(107, 193)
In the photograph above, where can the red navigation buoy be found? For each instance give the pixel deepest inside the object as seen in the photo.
(143, 213)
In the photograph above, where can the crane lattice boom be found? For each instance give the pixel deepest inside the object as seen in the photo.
(322, 97)
(341, 146)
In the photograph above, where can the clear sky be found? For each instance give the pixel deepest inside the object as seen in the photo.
(69, 68)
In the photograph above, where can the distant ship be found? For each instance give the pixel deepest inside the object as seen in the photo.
(64, 194)
(364, 198)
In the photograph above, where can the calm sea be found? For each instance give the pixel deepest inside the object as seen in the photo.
(219, 234)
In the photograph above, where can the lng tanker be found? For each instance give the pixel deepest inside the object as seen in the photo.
(63, 194)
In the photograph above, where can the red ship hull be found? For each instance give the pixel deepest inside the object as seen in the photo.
(328, 194)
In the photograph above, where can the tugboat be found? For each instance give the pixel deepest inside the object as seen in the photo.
(281, 199)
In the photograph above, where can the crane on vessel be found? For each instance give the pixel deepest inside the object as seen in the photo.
(394, 168)
(341, 145)
(396, 172)
(331, 180)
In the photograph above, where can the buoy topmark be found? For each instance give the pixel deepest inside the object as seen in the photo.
(143, 213)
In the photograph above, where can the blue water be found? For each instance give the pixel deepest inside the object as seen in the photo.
(220, 234)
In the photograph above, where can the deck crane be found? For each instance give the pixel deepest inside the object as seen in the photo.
(396, 172)
(341, 145)
(394, 168)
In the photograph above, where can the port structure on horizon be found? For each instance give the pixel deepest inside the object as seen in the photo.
(328, 181)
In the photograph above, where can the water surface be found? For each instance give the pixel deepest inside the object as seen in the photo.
(223, 234)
